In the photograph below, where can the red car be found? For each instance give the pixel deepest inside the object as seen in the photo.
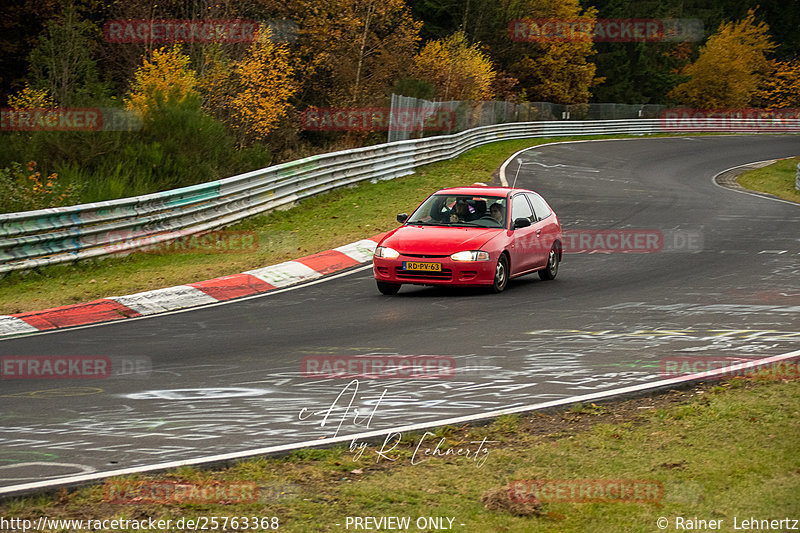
(466, 236)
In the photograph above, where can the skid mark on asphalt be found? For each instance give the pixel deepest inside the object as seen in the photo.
(264, 410)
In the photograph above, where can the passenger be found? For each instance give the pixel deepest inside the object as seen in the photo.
(497, 212)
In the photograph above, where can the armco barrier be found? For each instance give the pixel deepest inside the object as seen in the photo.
(49, 236)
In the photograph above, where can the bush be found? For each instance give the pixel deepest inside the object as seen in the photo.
(22, 190)
(178, 145)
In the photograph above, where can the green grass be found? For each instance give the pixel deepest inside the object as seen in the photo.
(718, 452)
(318, 223)
(777, 179)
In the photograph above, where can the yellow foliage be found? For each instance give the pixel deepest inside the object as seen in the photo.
(555, 70)
(166, 75)
(29, 98)
(731, 67)
(782, 88)
(265, 84)
(457, 70)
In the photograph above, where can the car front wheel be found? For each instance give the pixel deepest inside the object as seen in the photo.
(551, 270)
(388, 288)
(501, 274)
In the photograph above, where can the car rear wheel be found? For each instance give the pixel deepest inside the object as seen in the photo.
(501, 274)
(551, 270)
(388, 288)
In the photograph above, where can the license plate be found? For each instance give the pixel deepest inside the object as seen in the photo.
(425, 267)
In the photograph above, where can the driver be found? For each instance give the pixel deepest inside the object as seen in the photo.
(462, 212)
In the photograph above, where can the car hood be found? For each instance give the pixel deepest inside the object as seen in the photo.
(438, 240)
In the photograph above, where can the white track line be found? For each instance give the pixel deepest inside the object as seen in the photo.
(502, 172)
(88, 478)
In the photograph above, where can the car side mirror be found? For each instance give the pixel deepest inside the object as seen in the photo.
(402, 217)
(521, 223)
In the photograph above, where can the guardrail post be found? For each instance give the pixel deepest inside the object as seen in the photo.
(797, 179)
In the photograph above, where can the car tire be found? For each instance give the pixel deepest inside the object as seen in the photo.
(500, 274)
(388, 288)
(551, 270)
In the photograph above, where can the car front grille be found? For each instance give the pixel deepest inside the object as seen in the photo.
(444, 275)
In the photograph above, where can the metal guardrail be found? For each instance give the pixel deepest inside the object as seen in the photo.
(32, 239)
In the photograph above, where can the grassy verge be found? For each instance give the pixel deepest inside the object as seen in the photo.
(719, 451)
(776, 179)
(317, 224)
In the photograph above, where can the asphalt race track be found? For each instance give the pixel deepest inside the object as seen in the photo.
(228, 378)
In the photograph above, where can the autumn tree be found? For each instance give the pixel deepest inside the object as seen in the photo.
(165, 77)
(348, 52)
(458, 70)
(264, 85)
(533, 69)
(548, 70)
(121, 60)
(782, 87)
(730, 69)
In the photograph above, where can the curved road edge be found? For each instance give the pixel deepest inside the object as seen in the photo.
(252, 283)
(86, 479)
(727, 180)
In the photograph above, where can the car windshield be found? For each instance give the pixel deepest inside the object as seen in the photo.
(461, 210)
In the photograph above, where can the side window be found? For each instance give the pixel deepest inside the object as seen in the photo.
(539, 206)
(520, 208)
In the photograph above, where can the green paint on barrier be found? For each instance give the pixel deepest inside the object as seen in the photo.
(194, 194)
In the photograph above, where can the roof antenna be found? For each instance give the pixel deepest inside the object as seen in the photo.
(517, 174)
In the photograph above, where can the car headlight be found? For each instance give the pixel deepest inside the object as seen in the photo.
(473, 255)
(386, 252)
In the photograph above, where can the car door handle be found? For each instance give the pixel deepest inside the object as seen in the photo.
(538, 232)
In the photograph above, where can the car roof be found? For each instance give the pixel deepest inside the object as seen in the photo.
(480, 190)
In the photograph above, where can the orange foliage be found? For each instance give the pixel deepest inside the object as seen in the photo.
(782, 88)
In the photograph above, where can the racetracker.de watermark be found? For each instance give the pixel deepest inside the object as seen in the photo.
(378, 366)
(88, 119)
(196, 31)
(586, 490)
(746, 119)
(73, 366)
(377, 119)
(180, 492)
(213, 242)
(180, 242)
(605, 30)
(630, 241)
(681, 366)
